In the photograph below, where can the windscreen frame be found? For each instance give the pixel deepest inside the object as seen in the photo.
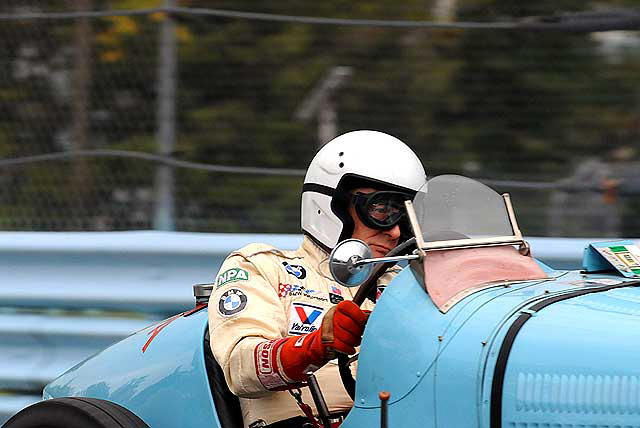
(515, 239)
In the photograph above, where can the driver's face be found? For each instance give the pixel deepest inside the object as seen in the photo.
(380, 241)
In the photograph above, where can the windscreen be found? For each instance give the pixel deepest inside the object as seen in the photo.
(451, 207)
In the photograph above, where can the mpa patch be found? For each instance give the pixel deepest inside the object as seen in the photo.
(232, 302)
(231, 275)
(305, 318)
(295, 270)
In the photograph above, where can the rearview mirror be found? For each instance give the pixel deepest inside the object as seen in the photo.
(343, 259)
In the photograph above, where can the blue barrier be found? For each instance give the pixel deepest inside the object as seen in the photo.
(65, 296)
(141, 271)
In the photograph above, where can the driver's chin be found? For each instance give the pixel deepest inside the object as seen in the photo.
(377, 254)
(378, 250)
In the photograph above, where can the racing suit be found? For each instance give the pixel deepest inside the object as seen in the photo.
(261, 294)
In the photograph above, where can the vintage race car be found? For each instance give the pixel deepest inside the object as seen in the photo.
(474, 332)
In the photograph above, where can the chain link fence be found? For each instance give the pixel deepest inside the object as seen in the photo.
(118, 115)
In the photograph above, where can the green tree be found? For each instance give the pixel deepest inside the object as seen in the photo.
(491, 103)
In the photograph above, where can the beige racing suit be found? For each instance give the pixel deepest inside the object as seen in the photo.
(261, 294)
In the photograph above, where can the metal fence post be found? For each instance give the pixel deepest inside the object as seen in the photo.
(164, 204)
(80, 106)
(319, 103)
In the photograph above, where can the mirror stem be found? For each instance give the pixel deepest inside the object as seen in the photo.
(385, 259)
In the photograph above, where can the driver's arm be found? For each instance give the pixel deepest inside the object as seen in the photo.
(244, 310)
(249, 340)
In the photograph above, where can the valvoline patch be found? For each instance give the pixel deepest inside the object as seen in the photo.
(305, 318)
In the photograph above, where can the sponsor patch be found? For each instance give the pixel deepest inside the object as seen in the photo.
(335, 294)
(232, 302)
(295, 270)
(231, 275)
(293, 290)
(335, 299)
(266, 356)
(266, 361)
(305, 318)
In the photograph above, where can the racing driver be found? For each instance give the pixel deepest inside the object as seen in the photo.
(275, 315)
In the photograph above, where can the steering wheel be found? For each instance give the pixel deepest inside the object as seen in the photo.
(344, 361)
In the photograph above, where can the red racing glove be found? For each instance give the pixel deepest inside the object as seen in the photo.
(283, 363)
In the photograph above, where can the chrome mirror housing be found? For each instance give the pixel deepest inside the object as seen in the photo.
(343, 262)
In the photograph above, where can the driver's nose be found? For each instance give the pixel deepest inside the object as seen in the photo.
(394, 232)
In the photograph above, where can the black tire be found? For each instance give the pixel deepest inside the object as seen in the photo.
(75, 412)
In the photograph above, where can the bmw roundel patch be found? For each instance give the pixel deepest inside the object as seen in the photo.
(232, 302)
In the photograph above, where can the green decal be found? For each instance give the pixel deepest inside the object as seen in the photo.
(636, 271)
(618, 249)
(231, 275)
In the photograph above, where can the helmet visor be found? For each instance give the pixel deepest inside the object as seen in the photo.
(380, 210)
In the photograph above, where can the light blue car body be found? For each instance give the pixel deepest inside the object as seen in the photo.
(572, 363)
(166, 385)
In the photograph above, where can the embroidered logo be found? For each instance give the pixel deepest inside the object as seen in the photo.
(305, 318)
(295, 270)
(335, 294)
(231, 275)
(265, 355)
(285, 290)
(232, 302)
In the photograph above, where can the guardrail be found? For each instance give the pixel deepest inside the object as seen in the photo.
(65, 296)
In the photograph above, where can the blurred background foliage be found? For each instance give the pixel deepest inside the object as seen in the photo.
(516, 106)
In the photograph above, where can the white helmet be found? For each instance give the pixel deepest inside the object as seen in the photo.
(352, 160)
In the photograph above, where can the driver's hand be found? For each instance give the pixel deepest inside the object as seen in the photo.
(341, 331)
(342, 327)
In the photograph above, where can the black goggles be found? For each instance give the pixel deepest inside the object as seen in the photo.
(382, 209)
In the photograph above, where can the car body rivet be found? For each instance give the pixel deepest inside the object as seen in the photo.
(484, 343)
(440, 338)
